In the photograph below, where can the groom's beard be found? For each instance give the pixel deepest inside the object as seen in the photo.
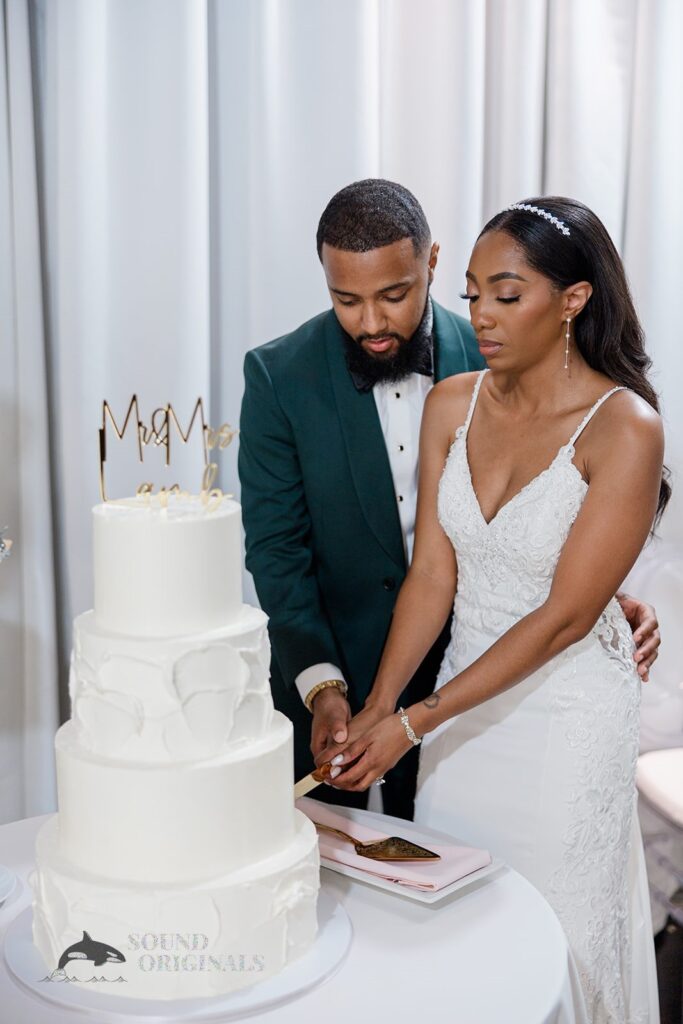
(413, 355)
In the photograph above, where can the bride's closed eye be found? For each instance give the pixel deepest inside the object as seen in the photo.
(501, 298)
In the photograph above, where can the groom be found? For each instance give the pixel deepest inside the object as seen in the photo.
(328, 467)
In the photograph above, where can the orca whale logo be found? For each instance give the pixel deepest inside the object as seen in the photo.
(87, 949)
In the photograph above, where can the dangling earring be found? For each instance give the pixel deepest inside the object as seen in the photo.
(566, 347)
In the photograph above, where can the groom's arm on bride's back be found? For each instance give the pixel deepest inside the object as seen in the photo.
(622, 463)
(642, 618)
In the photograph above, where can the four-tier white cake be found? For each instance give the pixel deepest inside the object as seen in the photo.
(177, 857)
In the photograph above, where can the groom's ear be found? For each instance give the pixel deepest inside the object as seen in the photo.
(433, 259)
(576, 298)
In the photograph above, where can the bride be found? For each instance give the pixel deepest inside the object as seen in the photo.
(530, 514)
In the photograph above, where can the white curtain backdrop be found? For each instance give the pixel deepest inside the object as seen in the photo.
(28, 649)
(125, 99)
(188, 148)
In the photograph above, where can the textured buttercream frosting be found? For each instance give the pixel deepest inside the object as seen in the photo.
(177, 847)
(171, 699)
(252, 922)
(175, 822)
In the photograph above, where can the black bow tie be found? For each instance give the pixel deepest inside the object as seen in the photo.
(424, 366)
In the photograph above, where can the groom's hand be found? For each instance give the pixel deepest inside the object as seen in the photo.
(331, 715)
(642, 619)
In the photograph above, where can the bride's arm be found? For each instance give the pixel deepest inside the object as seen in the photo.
(624, 469)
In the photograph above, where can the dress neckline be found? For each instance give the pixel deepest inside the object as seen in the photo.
(565, 449)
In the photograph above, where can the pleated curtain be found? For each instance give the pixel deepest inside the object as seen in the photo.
(185, 150)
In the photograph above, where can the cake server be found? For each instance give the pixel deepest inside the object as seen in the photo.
(391, 848)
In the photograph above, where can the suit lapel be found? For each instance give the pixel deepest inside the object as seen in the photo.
(366, 448)
(450, 355)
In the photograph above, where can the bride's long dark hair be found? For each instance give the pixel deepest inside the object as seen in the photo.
(607, 331)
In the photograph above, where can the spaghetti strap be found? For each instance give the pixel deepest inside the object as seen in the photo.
(591, 413)
(473, 401)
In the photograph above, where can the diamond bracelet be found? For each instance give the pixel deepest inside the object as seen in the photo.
(408, 728)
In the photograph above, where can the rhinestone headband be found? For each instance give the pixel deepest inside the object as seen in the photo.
(555, 221)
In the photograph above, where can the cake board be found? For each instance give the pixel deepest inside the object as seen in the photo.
(27, 969)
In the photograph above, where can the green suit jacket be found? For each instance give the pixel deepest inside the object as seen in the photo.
(323, 535)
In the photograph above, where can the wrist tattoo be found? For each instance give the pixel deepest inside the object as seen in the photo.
(432, 701)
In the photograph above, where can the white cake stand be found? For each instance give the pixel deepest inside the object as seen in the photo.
(332, 943)
(8, 881)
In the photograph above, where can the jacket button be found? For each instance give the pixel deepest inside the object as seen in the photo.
(389, 583)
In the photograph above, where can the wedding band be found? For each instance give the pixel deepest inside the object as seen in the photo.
(380, 781)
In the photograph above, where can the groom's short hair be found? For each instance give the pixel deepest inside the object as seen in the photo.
(370, 214)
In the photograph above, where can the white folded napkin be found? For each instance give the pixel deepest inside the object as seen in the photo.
(456, 861)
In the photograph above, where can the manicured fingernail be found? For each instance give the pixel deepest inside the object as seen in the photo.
(334, 773)
(639, 657)
(339, 759)
(340, 737)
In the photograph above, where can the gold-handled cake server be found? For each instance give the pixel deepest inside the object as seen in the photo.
(391, 848)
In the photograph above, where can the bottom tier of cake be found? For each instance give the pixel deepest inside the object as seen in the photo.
(173, 942)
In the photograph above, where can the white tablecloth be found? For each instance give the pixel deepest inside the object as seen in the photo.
(492, 954)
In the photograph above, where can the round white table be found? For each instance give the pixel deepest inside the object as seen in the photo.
(490, 954)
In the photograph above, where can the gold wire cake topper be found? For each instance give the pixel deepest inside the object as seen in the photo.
(158, 432)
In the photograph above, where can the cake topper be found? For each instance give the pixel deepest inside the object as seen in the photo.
(158, 432)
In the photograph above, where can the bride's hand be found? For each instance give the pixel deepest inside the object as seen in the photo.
(370, 756)
(359, 724)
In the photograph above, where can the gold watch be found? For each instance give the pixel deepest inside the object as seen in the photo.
(339, 684)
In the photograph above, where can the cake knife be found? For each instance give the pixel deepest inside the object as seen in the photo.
(309, 782)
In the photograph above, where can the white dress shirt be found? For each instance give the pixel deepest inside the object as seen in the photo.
(399, 407)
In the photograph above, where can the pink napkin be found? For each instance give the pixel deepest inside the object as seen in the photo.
(455, 863)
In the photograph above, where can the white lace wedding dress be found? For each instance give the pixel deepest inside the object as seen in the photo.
(543, 775)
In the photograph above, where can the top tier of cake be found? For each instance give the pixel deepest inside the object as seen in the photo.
(169, 571)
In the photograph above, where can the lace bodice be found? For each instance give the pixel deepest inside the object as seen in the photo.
(506, 566)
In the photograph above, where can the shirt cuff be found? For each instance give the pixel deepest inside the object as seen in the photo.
(310, 677)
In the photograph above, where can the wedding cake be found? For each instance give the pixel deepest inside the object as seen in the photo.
(177, 864)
